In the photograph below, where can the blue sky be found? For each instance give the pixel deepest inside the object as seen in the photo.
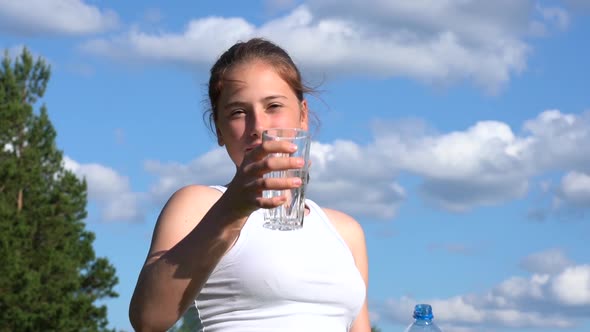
(456, 132)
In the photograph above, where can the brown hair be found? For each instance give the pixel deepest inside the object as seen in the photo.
(253, 50)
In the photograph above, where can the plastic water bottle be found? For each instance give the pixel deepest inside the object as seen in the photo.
(423, 320)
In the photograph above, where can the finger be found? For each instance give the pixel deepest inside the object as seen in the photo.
(283, 183)
(273, 163)
(269, 203)
(269, 147)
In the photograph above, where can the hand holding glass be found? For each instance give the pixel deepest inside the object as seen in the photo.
(289, 215)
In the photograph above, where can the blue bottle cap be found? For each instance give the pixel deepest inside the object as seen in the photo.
(423, 311)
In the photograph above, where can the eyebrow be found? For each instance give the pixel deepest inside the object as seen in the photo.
(274, 97)
(238, 103)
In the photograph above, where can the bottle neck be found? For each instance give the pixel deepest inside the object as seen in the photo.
(423, 321)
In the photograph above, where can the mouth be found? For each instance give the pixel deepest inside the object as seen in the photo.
(252, 147)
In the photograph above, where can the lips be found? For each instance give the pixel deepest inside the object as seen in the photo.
(252, 147)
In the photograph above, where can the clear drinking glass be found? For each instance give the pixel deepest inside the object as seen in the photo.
(288, 216)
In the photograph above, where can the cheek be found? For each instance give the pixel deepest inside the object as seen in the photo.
(231, 130)
(292, 119)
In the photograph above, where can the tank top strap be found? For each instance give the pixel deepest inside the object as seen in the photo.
(220, 188)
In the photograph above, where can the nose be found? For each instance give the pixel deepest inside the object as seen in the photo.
(257, 124)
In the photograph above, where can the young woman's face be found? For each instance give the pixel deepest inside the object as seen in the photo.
(254, 97)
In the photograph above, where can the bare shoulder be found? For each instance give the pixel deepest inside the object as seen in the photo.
(350, 230)
(181, 213)
(192, 198)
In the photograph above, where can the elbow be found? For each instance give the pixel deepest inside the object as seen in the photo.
(140, 320)
(144, 324)
(135, 315)
(147, 321)
(148, 311)
(139, 323)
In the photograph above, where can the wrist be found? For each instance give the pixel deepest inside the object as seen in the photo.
(231, 216)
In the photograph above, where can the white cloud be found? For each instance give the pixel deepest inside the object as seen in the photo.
(575, 189)
(487, 163)
(212, 168)
(550, 261)
(461, 169)
(431, 41)
(54, 17)
(110, 190)
(194, 46)
(557, 140)
(569, 199)
(572, 287)
(519, 288)
(554, 300)
(352, 178)
(470, 20)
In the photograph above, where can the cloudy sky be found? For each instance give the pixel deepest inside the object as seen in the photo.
(457, 133)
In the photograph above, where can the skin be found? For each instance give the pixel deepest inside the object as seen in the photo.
(198, 224)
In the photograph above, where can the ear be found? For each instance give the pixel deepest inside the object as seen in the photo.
(219, 137)
(304, 116)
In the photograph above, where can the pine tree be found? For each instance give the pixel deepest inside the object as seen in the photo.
(50, 278)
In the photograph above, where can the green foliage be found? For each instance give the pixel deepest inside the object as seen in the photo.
(50, 278)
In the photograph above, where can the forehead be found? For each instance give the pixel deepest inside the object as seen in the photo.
(254, 78)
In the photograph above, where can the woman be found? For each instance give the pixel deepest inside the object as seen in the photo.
(209, 248)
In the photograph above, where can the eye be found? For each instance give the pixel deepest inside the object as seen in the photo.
(237, 113)
(274, 107)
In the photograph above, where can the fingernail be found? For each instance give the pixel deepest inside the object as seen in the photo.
(293, 148)
(296, 182)
(300, 162)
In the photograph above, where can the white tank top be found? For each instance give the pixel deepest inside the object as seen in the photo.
(303, 280)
